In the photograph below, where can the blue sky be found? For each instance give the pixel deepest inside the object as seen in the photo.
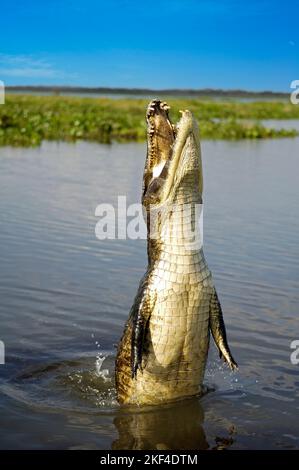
(226, 44)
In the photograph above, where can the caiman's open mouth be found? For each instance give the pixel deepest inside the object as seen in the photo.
(165, 144)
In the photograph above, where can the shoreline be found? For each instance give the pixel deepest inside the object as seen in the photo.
(27, 120)
(175, 92)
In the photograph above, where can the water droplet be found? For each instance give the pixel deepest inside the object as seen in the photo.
(103, 373)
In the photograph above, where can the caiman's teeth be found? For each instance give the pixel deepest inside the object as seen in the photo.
(164, 106)
(150, 110)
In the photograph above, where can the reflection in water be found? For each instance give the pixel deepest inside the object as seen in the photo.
(171, 427)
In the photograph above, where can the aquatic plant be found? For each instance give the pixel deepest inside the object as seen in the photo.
(27, 120)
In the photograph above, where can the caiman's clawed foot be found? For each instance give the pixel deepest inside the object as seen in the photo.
(218, 331)
(233, 365)
(227, 357)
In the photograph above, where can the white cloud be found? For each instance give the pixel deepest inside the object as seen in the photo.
(30, 73)
(23, 60)
(28, 66)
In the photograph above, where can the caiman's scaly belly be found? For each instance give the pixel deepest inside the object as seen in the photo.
(178, 333)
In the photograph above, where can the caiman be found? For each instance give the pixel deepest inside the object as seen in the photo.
(163, 351)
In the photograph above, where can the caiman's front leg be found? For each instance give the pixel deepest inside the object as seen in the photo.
(142, 309)
(218, 331)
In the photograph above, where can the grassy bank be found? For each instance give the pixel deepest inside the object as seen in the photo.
(27, 120)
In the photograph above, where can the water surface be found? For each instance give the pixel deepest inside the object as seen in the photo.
(65, 295)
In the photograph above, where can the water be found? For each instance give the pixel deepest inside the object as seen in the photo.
(288, 124)
(65, 296)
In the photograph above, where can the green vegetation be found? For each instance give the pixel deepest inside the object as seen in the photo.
(26, 120)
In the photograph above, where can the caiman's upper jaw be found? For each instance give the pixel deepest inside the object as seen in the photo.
(165, 146)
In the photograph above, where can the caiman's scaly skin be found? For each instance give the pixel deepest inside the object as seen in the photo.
(163, 351)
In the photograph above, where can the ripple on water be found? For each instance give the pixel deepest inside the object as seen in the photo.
(77, 385)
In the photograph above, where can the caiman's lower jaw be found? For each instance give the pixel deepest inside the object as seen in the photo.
(165, 143)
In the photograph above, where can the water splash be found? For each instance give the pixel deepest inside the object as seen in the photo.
(100, 358)
(103, 373)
